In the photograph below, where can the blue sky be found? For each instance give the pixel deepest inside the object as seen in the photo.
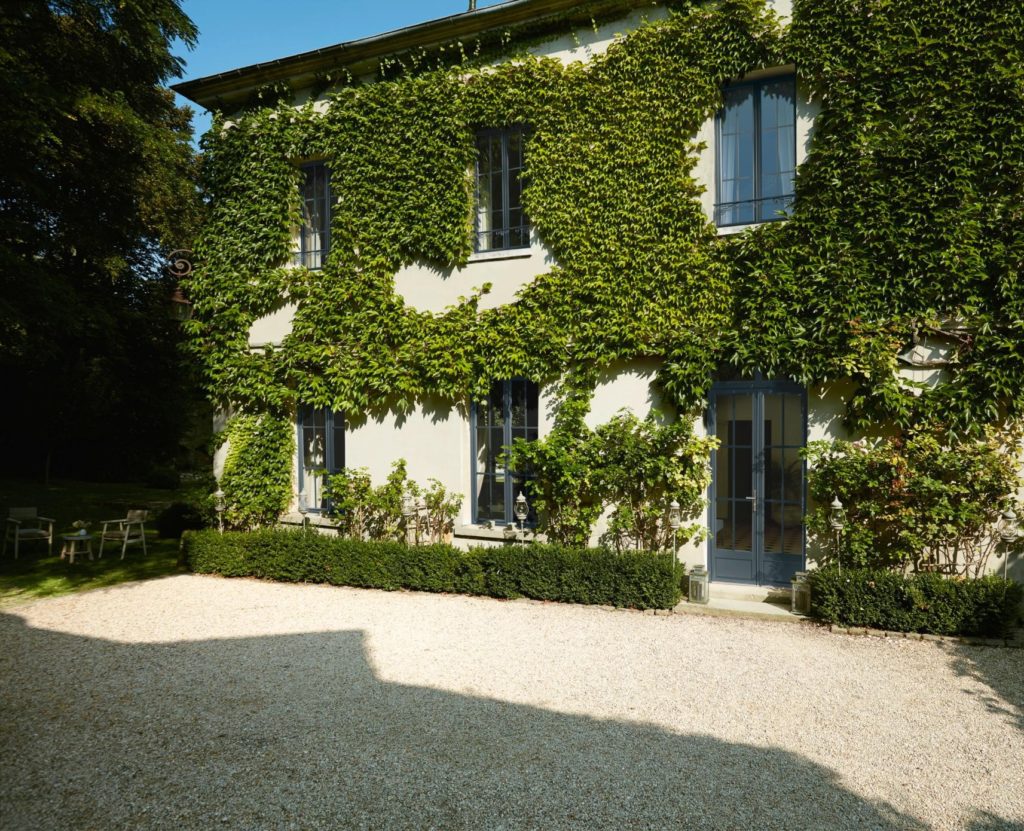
(234, 33)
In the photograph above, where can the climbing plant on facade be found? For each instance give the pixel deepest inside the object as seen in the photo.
(908, 220)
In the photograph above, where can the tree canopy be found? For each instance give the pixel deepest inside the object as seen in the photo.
(97, 183)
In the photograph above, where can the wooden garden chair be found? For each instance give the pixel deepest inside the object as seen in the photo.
(127, 531)
(25, 525)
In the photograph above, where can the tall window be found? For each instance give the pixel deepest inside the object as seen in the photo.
(315, 233)
(756, 138)
(510, 412)
(500, 220)
(321, 453)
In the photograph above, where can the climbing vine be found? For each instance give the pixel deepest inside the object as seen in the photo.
(909, 215)
(257, 479)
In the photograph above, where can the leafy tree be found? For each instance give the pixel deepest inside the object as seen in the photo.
(96, 181)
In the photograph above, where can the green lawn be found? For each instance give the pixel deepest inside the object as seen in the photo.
(34, 574)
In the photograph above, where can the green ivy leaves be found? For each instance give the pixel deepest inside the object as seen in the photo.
(909, 208)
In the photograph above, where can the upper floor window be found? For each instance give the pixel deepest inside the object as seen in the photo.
(315, 233)
(500, 220)
(321, 453)
(510, 412)
(756, 158)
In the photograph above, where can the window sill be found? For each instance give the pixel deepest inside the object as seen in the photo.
(501, 533)
(728, 230)
(500, 254)
(316, 520)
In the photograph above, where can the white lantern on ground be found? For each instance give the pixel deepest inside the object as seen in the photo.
(698, 585)
(801, 596)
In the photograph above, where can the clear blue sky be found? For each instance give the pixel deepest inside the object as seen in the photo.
(234, 33)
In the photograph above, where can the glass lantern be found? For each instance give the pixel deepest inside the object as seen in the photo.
(837, 516)
(219, 505)
(801, 597)
(698, 585)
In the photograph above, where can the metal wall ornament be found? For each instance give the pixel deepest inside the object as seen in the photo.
(178, 267)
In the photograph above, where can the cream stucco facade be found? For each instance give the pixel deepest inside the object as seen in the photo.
(435, 438)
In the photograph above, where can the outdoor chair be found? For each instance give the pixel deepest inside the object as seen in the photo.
(127, 531)
(25, 525)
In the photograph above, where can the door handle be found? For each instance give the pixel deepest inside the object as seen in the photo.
(752, 499)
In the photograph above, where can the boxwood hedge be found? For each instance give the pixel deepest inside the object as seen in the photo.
(635, 579)
(928, 603)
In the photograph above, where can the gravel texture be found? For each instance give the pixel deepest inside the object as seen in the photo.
(197, 702)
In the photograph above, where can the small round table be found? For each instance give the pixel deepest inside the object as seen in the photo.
(75, 544)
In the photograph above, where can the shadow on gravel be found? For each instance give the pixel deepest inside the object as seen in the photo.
(1002, 671)
(298, 732)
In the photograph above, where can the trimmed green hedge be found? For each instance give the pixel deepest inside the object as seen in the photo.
(915, 603)
(639, 580)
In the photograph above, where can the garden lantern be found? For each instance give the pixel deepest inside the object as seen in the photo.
(219, 505)
(674, 521)
(1009, 532)
(801, 597)
(180, 308)
(304, 510)
(698, 585)
(837, 522)
(837, 516)
(522, 511)
(674, 517)
(409, 509)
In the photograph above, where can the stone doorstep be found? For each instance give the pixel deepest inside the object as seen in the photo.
(776, 595)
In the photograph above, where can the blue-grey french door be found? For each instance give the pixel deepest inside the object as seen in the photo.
(758, 487)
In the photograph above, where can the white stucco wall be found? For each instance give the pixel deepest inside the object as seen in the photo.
(435, 439)
(430, 289)
(585, 44)
(271, 329)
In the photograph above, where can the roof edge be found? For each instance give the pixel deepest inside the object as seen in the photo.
(231, 88)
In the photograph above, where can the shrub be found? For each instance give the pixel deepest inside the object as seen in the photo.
(915, 603)
(361, 511)
(545, 572)
(637, 579)
(179, 517)
(633, 467)
(915, 502)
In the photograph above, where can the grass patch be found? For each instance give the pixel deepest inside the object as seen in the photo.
(35, 575)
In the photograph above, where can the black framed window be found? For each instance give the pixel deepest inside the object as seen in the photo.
(501, 222)
(321, 435)
(756, 158)
(510, 412)
(315, 233)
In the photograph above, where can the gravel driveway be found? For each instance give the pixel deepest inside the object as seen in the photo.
(197, 702)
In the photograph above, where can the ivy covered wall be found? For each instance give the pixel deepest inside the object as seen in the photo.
(909, 219)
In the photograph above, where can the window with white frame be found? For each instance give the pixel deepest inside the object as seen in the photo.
(510, 412)
(501, 222)
(756, 151)
(315, 232)
(321, 437)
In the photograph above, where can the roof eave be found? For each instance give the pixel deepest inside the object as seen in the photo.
(230, 89)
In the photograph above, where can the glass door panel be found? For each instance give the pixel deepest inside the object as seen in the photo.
(758, 488)
(734, 530)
